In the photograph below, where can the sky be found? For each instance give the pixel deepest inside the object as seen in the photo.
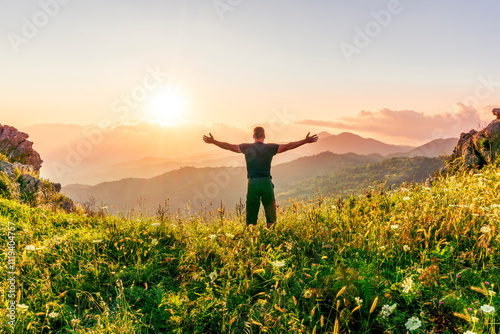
(402, 71)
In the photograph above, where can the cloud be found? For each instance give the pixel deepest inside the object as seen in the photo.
(408, 125)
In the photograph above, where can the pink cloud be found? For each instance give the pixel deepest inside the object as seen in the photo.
(408, 125)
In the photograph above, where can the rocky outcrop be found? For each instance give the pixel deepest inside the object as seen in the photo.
(475, 149)
(15, 145)
(496, 112)
(19, 175)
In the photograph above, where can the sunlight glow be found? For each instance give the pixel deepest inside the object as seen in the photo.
(168, 106)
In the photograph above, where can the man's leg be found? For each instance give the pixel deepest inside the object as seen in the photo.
(253, 203)
(269, 203)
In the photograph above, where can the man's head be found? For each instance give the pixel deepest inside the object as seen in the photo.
(259, 134)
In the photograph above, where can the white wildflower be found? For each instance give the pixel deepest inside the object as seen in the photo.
(156, 224)
(406, 247)
(407, 198)
(358, 300)
(30, 248)
(154, 242)
(387, 310)
(382, 247)
(213, 275)
(474, 319)
(53, 315)
(278, 264)
(97, 241)
(213, 236)
(492, 293)
(413, 323)
(407, 284)
(470, 332)
(478, 174)
(485, 229)
(488, 309)
(395, 226)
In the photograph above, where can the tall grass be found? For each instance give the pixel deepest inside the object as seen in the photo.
(363, 264)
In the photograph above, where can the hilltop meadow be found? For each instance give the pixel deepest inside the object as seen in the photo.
(419, 258)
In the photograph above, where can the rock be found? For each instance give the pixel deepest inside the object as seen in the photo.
(475, 149)
(68, 206)
(496, 112)
(15, 146)
(29, 184)
(7, 168)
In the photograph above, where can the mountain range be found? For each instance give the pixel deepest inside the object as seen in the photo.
(149, 167)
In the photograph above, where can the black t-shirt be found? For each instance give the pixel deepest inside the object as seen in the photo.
(258, 157)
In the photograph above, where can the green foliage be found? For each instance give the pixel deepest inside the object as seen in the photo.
(8, 188)
(3, 157)
(363, 264)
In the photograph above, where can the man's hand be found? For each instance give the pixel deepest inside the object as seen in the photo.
(311, 139)
(209, 140)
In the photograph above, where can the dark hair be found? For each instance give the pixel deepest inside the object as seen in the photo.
(258, 132)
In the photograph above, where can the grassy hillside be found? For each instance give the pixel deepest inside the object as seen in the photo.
(424, 258)
(390, 172)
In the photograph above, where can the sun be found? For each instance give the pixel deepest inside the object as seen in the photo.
(168, 106)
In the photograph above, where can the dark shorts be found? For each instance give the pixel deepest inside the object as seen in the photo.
(260, 189)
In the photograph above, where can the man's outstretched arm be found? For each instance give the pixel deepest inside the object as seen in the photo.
(290, 146)
(226, 146)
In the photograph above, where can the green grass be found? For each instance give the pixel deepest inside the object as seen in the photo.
(329, 266)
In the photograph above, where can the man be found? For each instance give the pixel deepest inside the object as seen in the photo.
(258, 158)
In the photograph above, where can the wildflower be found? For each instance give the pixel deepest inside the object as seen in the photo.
(495, 206)
(307, 293)
(213, 275)
(474, 319)
(492, 293)
(387, 310)
(75, 322)
(97, 241)
(230, 236)
(156, 224)
(53, 315)
(407, 198)
(458, 276)
(406, 247)
(407, 284)
(470, 332)
(488, 309)
(382, 247)
(154, 242)
(22, 307)
(487, 283)
(485, 208)
(30, 248)
(278, 264)
(470, 309)
(395, 226)
(138, 220)
(213, 236)
(358, 300)
(413, 323)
